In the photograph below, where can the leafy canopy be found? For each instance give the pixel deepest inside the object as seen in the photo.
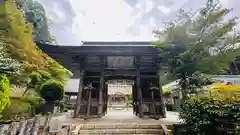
(16, 33)
(201, 42)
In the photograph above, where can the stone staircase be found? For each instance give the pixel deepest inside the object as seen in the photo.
(121, 129)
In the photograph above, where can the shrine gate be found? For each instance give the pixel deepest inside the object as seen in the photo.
(95, 63)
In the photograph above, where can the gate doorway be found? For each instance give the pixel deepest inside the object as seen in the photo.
(119, 94)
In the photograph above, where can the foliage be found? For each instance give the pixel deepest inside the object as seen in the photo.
(16, 33)
(165, 77)
(4, 92)
(52, 90)
(201, 42)
(37, 78)
(8, 66)
(212, 111)
(34, 80)
(15, 109)
(21, 107)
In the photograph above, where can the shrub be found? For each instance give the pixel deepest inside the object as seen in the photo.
(4, 92)
(17, 108)
(52, 90)
(212, 112)
(21, 107)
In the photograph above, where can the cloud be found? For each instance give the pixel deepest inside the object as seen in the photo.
(74, 21)
(164, 9)
(106, 19)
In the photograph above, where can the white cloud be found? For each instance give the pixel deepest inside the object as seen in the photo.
(116, 20)
(101, 20)
(164, 9)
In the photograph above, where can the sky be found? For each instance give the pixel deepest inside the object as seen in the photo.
(73, 21)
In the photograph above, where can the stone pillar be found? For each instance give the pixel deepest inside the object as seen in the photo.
(79, 95)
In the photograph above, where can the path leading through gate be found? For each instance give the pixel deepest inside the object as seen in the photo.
(124, 116)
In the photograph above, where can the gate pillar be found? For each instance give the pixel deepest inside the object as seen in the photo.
(79, 95)
(100, 100)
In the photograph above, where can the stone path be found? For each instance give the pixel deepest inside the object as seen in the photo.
(119, 121)
(124, 116)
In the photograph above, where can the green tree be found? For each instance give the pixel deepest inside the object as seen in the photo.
(196, 43)
(16, 33)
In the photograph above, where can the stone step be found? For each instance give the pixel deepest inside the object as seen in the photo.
(119, 126)
(122, 131)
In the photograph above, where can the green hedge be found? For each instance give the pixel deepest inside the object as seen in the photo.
(218, 113)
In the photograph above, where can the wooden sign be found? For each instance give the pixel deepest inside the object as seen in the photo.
(55, 125)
